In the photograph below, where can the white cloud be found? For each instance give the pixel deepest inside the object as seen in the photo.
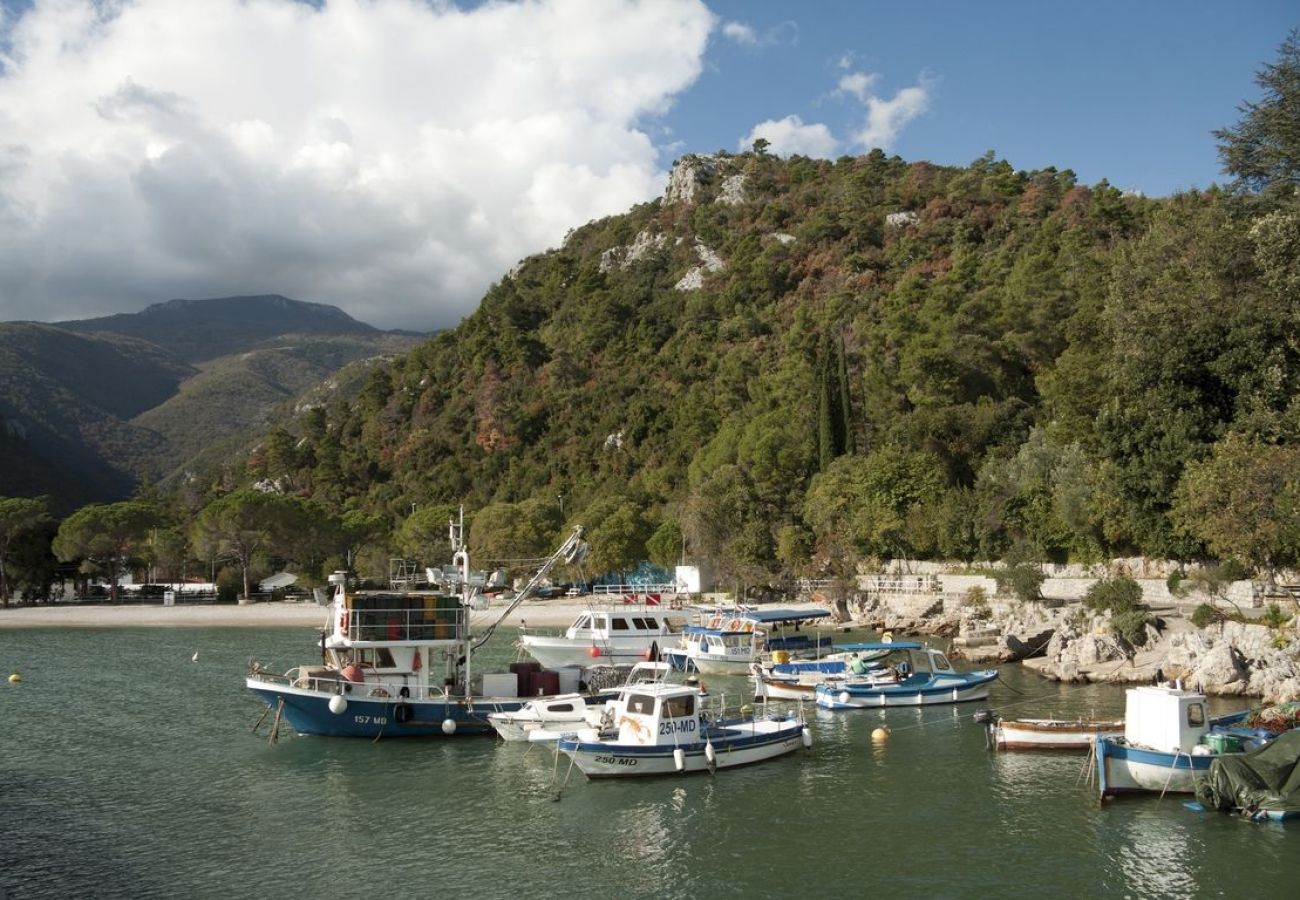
(786, 32)
(886, 118)
(740, 33)
(390, 156)
(791, 136)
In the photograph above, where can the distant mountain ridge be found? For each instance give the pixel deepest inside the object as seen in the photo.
(89, 407)
(199, 330)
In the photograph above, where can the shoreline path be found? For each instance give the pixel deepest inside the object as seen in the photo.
(540, 613)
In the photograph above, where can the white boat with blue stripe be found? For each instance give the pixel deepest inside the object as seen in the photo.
(1168, 743)
(909, 674)
(663, 729)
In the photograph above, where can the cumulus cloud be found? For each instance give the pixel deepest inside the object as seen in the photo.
(390, 156)
(790, 136)
(884, 119)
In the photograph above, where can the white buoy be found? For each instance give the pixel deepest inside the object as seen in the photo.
(338, 704)
(448, 726)
(844, 696)
(880, 735)
(679, 759)
(15, 678)
(807, 737)
(710, 754)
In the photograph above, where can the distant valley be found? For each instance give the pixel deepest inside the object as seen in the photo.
(89, 408)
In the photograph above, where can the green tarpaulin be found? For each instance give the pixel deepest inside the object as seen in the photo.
(1263, 780)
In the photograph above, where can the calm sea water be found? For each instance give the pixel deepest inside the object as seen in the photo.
(129, 770)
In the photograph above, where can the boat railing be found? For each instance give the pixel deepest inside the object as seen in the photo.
(649, 592)
(319, 679)
(419, 625)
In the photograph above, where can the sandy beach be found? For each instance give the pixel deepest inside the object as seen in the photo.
(540, 613)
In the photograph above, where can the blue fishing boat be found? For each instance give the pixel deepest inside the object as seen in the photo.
(400, 664)
(908, 674)
(1169, 742)
(727, 642)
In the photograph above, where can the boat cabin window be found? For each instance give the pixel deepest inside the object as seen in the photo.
(641, 704)
(641, 624)
(941, 661)
(678, 707)
(620, 624)
(378, 657)
(584, 621)
(560, 707)
(1195, 714)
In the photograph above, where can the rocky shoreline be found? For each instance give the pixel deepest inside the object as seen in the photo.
(1061, 640)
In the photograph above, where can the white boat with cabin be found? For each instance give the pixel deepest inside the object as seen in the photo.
(618, 635)
(662, 729)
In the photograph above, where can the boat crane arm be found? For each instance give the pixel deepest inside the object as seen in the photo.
(572, 550)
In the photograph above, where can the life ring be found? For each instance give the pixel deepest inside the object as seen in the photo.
(715, 621)
(402, 713)
(732, 625)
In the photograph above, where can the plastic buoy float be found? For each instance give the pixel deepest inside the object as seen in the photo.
(594, 652)
(844, 696)
(880, 735)
(338, 704)
(448, 726)
(679, 759)
(710, 754)
(15, 678)
(807, 737)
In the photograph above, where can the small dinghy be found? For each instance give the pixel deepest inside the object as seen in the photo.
(1051, 734)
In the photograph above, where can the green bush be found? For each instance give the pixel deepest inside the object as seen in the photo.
(1131, 625)
(1122, 597)
(1025, 580)
(1175, 583)
(1119, 594)
(1205, 614)
(1274, 617)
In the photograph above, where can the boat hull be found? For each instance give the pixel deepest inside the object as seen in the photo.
(777, 689)
(1122, 769)
(971, 686)
(1051, 734)
(733, 746)
(561, 652)
(308, 712)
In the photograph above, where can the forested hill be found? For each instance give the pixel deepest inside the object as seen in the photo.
(202, 329)
(795, 364)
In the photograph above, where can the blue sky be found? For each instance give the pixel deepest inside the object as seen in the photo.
(395, 157)
(1125, 91)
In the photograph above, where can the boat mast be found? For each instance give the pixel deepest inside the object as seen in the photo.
(573, 550)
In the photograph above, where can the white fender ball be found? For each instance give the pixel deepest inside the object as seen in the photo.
(338, 704)
(448, 726)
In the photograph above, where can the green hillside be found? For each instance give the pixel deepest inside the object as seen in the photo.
(797, 363)
(233, 400)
